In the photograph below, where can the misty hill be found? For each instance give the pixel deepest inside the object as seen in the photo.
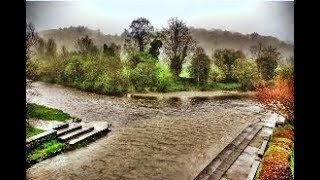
(210, 40)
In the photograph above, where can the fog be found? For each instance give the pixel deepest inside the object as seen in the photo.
(272, 18)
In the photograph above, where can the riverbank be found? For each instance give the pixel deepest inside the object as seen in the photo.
(149, 138)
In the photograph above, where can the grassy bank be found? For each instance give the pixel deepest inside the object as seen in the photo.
(45, 113)
(44, 150)
(31, 131)
(278, 162)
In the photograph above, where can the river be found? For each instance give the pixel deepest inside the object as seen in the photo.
(171, 138)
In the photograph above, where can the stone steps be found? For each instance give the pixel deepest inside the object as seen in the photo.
(61, 126)
(71, 127)
(76, 133)
(218, 166)
(88, 135)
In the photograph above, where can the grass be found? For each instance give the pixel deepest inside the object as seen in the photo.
(292, 163)
(226, 86)
(30, 131)
(45, 113)
(44, 150)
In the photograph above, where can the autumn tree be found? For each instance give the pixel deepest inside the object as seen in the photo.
(225, 58)
(266, 58)
(200, 66)
(140, 32)
(178, 43)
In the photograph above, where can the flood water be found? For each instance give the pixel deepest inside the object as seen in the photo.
(170, 138)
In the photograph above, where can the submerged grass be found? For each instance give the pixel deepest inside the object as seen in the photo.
(45, 113)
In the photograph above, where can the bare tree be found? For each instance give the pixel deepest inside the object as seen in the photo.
(51, 48)
(86, 45)
(266, 58)
(140, 32)
(178, 43)
(31, 38)
(200, 66)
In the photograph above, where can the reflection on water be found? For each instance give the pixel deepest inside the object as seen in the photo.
(169, 138)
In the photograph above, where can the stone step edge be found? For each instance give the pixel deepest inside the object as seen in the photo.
(74, 134)
(257, 161)
(70, 129)
(61, 126)
(90, 137)
(216, 162)
(239, 150)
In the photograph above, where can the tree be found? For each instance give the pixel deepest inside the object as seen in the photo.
(51, 47)
(200, 66)
(41, 46)
(112, 50)
(64, 51)
(245, 71)
(267, 60)
(140, 32)
(86, 45)
(31, 38)
(225, 58)
(178, 43)
(155, 46)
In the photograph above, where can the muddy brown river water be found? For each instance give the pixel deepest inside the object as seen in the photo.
(173, 137)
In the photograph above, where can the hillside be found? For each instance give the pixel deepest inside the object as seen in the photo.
(210, 40)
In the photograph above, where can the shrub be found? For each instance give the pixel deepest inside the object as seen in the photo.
(216, 74)
(144, 76)
(245, 71)
(164, 78)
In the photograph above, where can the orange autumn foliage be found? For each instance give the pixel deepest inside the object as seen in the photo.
(276, 161)
(282, 92)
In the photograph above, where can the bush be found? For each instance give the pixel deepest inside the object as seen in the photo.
(216, 74)
(164, 78)
(245, 71)
(144, 76)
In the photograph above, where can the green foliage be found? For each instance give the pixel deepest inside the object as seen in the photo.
(44, 150)
(224, 59)
(292, 162)
(200, 66)
(216, 74)
(267, 60)
(45, 113)
(178, 44)
(154, 49)
(144, 75)
(245, 71)
(112, 50)
(285, 72)
(226, 86)
(164, 78)
(31, 131)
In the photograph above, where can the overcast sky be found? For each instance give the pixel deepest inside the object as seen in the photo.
(274, 18)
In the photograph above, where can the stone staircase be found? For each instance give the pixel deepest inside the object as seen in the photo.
(219, 165)
(73, 133)
(70, 132)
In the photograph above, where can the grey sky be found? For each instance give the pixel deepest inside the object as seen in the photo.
(274, 18)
